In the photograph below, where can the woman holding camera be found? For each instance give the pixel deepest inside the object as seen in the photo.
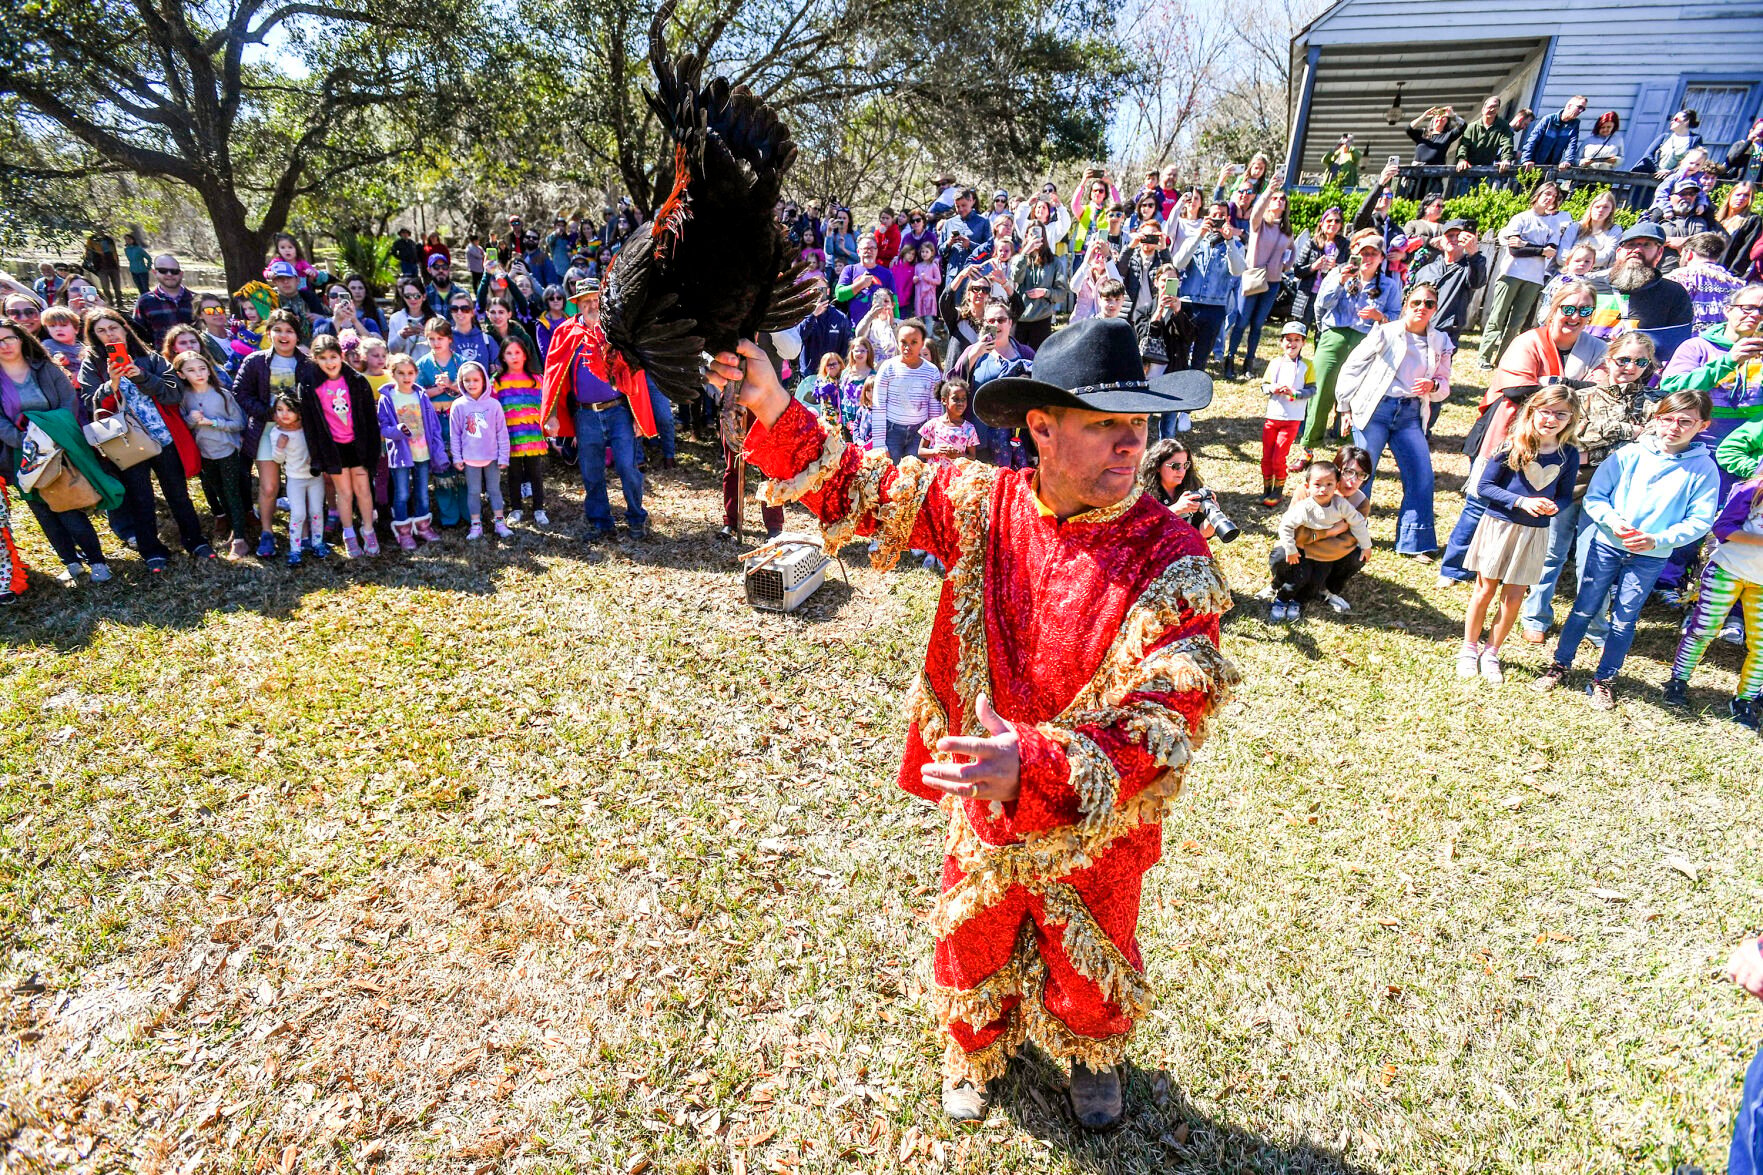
(1167, 474)
(1386, 386)
(1355, 297)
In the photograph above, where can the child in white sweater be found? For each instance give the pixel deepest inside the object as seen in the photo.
(1323, 542)
(1289, 381)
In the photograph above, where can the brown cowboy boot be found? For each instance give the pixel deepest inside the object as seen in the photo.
(1095, 1096)
(963, 1101)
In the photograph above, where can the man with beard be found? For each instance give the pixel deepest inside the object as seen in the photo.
(1633, 294)
(1685, 216)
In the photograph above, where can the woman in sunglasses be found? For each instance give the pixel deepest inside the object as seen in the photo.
(1386, 387)
(1558, 350)
(404, 330)
(1613, 411)
(554, 314)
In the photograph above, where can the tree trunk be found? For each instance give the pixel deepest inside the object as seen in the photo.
(242, 248)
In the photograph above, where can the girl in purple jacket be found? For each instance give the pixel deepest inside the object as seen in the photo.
(415, 445)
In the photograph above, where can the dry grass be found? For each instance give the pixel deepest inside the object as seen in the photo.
(525, 859)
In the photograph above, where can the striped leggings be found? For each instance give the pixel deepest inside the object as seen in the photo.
(1718, 592)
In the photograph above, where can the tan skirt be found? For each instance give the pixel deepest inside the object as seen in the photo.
(1507, 552)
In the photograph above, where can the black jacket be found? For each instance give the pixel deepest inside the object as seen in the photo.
(251, 389)
(1457, 282)
(328, 454)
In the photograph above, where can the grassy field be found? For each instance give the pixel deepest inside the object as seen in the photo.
(523, 858)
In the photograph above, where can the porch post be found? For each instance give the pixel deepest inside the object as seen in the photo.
(1301, 124)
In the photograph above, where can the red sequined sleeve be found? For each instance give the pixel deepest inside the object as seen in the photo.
(855, 494)
(1119, 752)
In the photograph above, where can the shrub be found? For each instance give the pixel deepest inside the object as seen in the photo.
(1489, 207)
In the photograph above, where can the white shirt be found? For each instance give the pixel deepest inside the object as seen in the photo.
(1534, 230)
(907, 395)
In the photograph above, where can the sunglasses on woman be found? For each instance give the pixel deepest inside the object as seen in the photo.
(1429, 303)
(1631, 361)
(1581, 311)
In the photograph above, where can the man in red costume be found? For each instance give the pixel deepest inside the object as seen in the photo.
(1072, 669)
(592, 394)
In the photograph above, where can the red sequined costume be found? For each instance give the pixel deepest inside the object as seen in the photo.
(1097, 639)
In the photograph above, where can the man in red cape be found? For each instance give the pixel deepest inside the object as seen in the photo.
(1072, 669)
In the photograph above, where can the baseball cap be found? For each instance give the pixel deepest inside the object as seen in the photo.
(1460, 225)
(1294, 328)
(1686, 184)
(438, 261)
(1643, 230)
(280, 267)
(1000, 194)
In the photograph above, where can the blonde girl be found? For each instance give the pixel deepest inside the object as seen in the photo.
(1526, 484)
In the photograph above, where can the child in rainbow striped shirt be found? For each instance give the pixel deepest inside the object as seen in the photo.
(521, 393)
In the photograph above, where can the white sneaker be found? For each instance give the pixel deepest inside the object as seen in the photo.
(100, 572)
(69, 576)
(514, 516)
(540, 518)
(1491, 670)
(475, 533)
(1733, 633)
(1337, 603)
(502, 530)
(1183, 422)
(1468, 662)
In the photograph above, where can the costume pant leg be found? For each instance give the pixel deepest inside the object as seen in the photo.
(1061, 967)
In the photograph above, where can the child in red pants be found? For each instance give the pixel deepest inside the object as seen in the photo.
(1289, 381)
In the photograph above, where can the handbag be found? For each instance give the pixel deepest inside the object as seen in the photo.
(1254, 280)
(120, 438)
(61, 487)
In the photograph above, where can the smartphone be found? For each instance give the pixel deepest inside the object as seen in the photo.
(119, 354)
(1394, 161)
(1171, 286)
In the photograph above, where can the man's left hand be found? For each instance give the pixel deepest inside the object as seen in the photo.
(1745, 968)
(994, 771)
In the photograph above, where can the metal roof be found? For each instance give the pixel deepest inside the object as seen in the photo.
(1355, 83)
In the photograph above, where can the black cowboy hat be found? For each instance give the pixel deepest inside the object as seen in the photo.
(1094, 365)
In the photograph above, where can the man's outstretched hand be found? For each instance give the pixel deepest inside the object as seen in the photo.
(761, 392)
(994, 769)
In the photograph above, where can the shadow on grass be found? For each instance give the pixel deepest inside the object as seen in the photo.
(1162, 1130)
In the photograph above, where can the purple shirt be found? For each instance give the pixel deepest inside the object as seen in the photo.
(590, 389)
(858, 306)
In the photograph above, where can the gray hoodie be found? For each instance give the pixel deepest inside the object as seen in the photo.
(220, 437)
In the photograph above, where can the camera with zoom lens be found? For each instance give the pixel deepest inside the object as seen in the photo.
(1223, 529)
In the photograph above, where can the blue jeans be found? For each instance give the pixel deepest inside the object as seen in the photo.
(404, 481)
(1256, 308)
(664, 427)
(902, 441)
(594, 432)
(1233, 313)
(1400, 426)
(1608, 569)
(1457, 545)
(1208, 324)
(1569, 530)
(1747, 1129)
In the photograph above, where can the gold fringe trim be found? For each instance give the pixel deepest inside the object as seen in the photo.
(924, 708)
(865, 497)
(1062, 1044)
(1092, 775)
(1105, 513)
(1029, 1020)
(983, 1003)
(899, 514)
(971, 497)
(777, 493)
(1095, 955)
